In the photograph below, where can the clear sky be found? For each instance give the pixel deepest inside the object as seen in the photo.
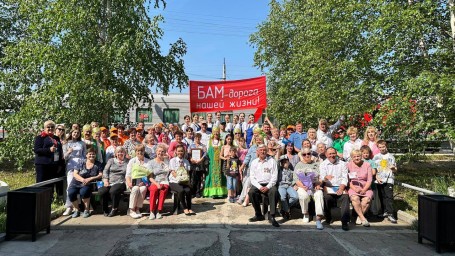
(214, 30)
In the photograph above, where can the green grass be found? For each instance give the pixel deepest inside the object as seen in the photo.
(436, 176)
(19, 179)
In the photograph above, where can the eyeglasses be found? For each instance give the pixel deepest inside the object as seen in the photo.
(60, 129)
(273, 149)
(306, 154)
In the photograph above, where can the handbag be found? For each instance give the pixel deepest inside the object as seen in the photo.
(182, 175)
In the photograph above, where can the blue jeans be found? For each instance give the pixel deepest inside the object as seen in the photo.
(293, 197)
(231, 182)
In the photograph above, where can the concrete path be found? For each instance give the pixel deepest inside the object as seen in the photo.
(219, 228)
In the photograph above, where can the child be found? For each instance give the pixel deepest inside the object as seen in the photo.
(231, 170)
(386, 167)
(285, 182)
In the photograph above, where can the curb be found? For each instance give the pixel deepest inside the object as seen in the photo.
(406, 217)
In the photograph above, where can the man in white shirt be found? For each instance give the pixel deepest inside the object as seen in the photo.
(242, 123)
(209, 122)
(334, 175)
(205, 133)
(229, 127)
(324, 133)
(263, 176)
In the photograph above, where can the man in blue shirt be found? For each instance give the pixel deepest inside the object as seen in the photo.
(298, 136)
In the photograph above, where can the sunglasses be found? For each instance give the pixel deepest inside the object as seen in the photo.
(273, 149)
(60, 129)
(306, 154)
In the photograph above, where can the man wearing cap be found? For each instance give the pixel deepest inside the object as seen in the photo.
(263, 175)
(298, 136)
(205, 134)
(104, 137)
(324, 133)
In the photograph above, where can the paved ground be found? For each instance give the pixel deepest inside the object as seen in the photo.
(219, 228)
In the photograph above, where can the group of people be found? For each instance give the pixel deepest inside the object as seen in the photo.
(239, 160)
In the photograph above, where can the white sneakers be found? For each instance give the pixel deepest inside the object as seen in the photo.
(306, 218)
(135, 215)
(68, 211)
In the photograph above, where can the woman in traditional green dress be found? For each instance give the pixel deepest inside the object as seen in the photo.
(215, 182)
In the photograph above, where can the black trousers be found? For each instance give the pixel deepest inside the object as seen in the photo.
(184, 194)
(114, 192)
(47, 172)
(256, 198)
(386, 197)
(196, 179)
(331, 200)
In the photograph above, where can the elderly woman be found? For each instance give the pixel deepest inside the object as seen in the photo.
(131, 143)
(48, 153)
(353, 143)
(150, 146)
(81, 183)
(306, 177)
(74, 153)
(370, 139)
(114, 181)
(312, 138)
(136, 169)
(159, 184)
(360, 193)
(179, 179)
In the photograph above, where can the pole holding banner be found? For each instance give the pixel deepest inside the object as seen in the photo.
(212, 96)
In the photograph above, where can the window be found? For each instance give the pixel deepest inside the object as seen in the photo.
(144, 115)
(171, 115)
(116, 117)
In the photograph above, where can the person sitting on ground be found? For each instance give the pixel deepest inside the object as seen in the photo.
(360, 176)
(179, 179)
(159, 183)
(353, 143)
(114, 181)
(334, 175)
(306, 179)
(263, 175)
(285, 183)
(385, 179)
(136, 169)
(81, 183)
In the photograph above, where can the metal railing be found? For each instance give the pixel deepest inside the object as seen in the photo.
(421, 190)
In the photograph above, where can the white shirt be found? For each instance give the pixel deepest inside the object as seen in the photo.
(338, 170)
(349, 146)
(205, 137)
(390, 162)
(174, 164)
(263, 172)
(228, 127)
(326, 137)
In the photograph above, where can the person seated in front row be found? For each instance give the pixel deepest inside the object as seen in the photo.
(306, 178)
(136, 169)
(263, 175)
(81, 183)
(334, 174)
(285, 188)
(179, 180)
(361, 177)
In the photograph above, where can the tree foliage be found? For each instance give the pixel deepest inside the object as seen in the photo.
(327, 58)
(77, 61)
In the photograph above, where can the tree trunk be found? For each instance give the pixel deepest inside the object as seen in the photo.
(452, 21)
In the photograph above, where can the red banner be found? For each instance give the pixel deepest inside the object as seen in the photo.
(212, 96)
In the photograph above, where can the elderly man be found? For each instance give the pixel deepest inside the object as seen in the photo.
(263, 175)
(334, 174)
(322, 150)
(298, 136)
(324, 133)
(204, 133)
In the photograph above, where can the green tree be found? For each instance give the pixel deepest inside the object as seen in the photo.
(77, 61)
(327, 58)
